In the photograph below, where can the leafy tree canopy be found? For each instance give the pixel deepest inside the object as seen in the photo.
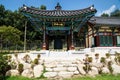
(104, 15)
(116, 13)
(43, 7)
(10, 34)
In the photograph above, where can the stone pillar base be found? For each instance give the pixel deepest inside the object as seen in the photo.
(44, 46)
(72, 47)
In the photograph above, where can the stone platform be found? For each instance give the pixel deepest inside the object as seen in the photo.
(65, 64)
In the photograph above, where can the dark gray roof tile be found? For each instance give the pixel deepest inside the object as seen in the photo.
(57, 12)
(106, 20)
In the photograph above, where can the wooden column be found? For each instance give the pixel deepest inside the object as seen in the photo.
(68, 42)
(114, 37)
(72, 44)
(88, 40)
(44, 37)
(85, 41)
(97, 38)
(47, 42)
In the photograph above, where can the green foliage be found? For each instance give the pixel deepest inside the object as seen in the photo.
(104, 15)
(115, 13)
(96, 55)
(18, 78)
(16, 55)
(107, 55)
(9, 35)
(117, 58)
(9, 57)
(27, 58)
(16, 20)
(99, 77)
(86, 55)
(87, 68)
(4, 67)
(36, 61)
(43, 7)
(110, 67)
(38, 56)
(20, 68)
(90, 59)
(102, 60)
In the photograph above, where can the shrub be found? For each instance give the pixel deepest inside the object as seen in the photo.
(102, 60)
(9, 57)
(38, 56)
(90, 59)
(110, 67)
(115, 59)
(16, 55)
(87, 68)
(36, 61)
(118, 59)
(117, 54)
(13, 65)
(27, 58)
(4, 67)
(107, 55)
(87, 55)
(20, 68)
(96, 55)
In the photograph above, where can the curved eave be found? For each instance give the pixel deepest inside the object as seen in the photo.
(58, 13)
(103, 21)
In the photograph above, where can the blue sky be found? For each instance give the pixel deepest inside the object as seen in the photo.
(102, 6)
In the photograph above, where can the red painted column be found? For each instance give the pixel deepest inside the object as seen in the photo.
(114, 38)
(44, 38)
(68, 42)
(72, 45)
(88, 40)
(47, 42)
(98, 40)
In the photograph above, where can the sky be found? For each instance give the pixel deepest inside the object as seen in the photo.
(102, 6)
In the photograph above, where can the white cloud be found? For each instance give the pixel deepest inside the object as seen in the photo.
(108, 11)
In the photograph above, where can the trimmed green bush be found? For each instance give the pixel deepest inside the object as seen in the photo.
(102, 60)
(20, 68)
(107, 55)
(4, 67)
(90, 59)
(36, 61)
(38, 56)
(96, 56)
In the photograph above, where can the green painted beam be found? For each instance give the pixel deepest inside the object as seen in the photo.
(58, 28)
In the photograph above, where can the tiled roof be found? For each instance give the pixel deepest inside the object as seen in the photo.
(57, 12)
(106, 20)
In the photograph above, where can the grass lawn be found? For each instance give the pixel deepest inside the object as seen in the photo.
(99, 77)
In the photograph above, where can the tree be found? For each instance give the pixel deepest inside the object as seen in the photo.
(43, 7)
(2, 14)
(9, 35)
(116, 13)
(4, 67)
(104, 15)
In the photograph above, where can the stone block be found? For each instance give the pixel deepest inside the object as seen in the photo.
(50, 74)
(72, 69)
(65, 74)
(38, 70)
(58, 69)
(12, 72)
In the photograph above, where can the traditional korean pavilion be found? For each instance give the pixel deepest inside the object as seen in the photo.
(73, 29)
(104, 33)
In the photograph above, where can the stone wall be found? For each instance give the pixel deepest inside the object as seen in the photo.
(63, 67)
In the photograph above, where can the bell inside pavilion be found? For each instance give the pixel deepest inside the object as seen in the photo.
(73, 29)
